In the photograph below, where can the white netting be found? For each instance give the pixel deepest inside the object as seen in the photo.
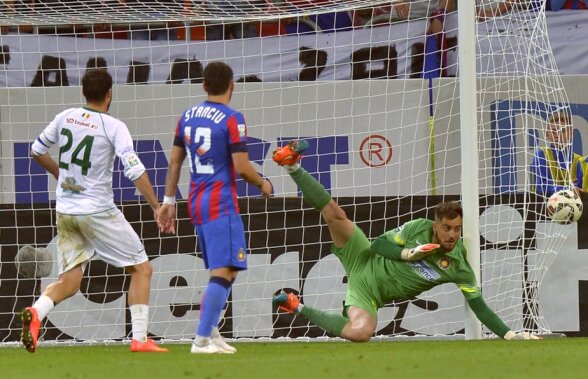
(121, 11)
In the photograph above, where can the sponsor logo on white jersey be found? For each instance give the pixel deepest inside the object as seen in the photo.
(69, 184)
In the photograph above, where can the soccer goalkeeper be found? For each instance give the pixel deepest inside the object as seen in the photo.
(398, 265)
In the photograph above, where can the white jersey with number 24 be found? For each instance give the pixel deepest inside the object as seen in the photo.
(88, 142)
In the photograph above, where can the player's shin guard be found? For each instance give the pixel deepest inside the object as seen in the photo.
(212, 304)
(330, 322)
(312, 191)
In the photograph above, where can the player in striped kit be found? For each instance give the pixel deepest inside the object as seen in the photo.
(88, 222)
(213, 137)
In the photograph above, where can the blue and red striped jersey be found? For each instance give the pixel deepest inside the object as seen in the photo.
(210, 133)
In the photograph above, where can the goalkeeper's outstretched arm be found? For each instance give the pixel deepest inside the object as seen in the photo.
(494, 323)
(388, 248)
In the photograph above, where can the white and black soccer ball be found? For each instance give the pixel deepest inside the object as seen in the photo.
(564, 207)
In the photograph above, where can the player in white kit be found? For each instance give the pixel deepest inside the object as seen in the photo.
(88, 222)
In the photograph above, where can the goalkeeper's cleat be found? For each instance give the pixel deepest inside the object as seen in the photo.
(30, 328)
(288, 302)
(148, 346)
(209, 348)
(291, 153)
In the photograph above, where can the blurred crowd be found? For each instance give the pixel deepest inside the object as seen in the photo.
(143, 29)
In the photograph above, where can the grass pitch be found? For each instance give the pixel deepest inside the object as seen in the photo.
(556, 358)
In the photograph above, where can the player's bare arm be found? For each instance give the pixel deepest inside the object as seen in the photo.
(167, 214)
(47, 163)
(144, 186)
(244, 168)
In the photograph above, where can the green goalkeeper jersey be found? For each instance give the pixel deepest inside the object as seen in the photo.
(399, 280)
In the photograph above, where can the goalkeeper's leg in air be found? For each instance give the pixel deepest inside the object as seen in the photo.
(359, 320)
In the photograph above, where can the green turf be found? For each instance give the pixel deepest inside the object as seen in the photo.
(560, 358)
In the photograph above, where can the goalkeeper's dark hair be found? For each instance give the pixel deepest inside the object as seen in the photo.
(95, 84)
(217, 78)
(449, 210)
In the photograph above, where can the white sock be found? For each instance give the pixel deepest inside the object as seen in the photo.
(292, 168)
(215, 333)
(201, 341)
(43, 306)
(139, 320)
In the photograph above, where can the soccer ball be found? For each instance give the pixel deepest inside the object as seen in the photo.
(33, 262)
(564, 207)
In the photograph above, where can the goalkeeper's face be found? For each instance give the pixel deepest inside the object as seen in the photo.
(447, 232)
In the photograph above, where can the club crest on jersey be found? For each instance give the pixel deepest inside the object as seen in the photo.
(241, 255)
(444, 263)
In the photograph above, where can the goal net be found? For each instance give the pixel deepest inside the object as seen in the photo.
(376, 96)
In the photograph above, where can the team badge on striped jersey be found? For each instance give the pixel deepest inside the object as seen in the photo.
(241, 255)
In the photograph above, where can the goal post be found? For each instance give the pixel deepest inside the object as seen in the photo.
(469, 152)
(375, 127)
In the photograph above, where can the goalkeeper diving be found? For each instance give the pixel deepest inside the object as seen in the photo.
(398, 265)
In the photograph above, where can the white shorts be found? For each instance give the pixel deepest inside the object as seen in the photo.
(107, 235)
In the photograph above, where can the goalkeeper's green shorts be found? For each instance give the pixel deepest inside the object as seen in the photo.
(356, 257)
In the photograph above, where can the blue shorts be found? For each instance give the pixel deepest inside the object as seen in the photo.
(222, 242)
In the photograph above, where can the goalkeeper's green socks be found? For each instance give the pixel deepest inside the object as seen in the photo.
(312, 191)
(330, 322)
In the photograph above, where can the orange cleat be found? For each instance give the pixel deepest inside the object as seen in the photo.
(30, 328)
(148, 346)
(288, 302)
(291, 153)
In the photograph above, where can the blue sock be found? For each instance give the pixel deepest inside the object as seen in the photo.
(212, 304)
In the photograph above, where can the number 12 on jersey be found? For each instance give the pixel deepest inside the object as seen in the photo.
(202, 138)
